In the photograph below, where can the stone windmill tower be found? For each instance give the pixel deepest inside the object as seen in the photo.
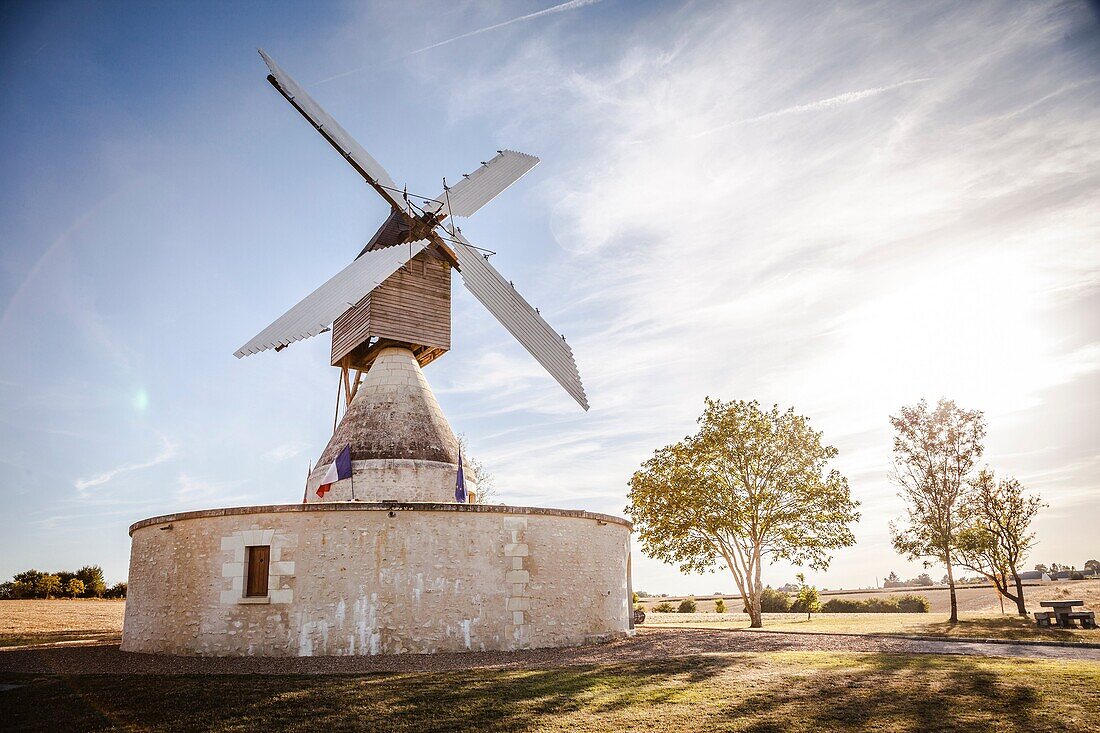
(389, 312)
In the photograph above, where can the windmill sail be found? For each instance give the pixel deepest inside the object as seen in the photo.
(316, 311)
(338, 137)
(521, 320)
(486, 183)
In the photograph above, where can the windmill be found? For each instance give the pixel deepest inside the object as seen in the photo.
(397, 291)
(389, 312)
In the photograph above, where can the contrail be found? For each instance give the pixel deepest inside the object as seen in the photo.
(840, 99)
(571, 5)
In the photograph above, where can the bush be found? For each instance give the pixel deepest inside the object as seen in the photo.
(118, 590)
(664, 607)
(686, 606)
(774, 601)
(720, 606)
(907, 603)
(1075, 575)
(910, 603)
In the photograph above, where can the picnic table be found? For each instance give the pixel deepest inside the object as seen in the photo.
(1064, 614)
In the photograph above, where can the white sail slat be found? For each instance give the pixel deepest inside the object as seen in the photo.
(519, 318)
(337, 136)
(486, 183)
(314, 313)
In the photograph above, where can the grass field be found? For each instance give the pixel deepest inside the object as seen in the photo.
(45, 622)
(983, 626)
(811, 691)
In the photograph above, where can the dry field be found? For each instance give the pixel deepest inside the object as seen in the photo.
(971, 599)
(60, 621)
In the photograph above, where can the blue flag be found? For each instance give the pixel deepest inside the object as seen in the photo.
(460, 482)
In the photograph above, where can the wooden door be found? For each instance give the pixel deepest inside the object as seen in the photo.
(256, 571)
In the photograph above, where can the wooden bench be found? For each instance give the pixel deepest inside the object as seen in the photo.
(1087, 619)
(1043, 618)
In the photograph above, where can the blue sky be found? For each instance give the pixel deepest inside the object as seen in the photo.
(844, 208)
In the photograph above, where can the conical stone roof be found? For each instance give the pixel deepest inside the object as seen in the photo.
(394, 415)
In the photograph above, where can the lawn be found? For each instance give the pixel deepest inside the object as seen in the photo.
(981, 626)
(62, 620)
(721, 692)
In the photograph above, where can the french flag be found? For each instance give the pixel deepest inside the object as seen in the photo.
(338, 470)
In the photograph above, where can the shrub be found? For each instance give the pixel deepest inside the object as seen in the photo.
(1075, 575)
(118, 590)
(720, 606)
(807, 601)
(907, 603)
(664, 607)
(774, 601)
(686, 606)
(910, 603)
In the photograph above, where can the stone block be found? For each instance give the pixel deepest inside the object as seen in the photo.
(230, 596)
(282, 595)
(514, 523)
(283, 567)
(517, 576)
(232, 543)
(232, 569)
(517, 618)
(515, 550)
(519, 604)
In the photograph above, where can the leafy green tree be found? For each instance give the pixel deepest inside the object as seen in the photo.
(807, 599)
(1092, 567)
(118, 590)
(995, 537)
(92, 577)
(750, 487)
(74, 587)
(935, 451)
(720, 605)
(686, 606)
(1042, 568)
(47, 585)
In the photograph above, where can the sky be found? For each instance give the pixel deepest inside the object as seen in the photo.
(838, 208)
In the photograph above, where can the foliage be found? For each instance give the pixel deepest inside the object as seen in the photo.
(922, 580)
(1076, 575)
(1042, 568)
(1092, 567)
(995, 536)
(74, 587)
(686, 606)
(807, 601)
(934, 454)
(774, 601)
(118, 590)
(907, 603)
(664, 607)
(92, 577)
(47, 585)
(749, 487)
(720, 605)
(634, 598)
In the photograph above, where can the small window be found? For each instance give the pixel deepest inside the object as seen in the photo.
(256, 571)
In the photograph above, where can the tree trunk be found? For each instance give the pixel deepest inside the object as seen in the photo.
(1020, 607)
(954, 601)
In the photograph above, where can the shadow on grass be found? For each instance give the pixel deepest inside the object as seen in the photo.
(749, 692)
(997, 627)
(482, 699)
(53, 637)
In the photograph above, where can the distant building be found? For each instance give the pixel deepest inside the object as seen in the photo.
(1035, 575)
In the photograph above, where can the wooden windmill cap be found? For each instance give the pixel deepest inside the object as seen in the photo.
(394, 415)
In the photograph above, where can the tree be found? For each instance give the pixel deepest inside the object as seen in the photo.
(923, 580)
(749, 487)
(944, 580)
(807, 599)
(47, 585)
(1092, 567)
(994, 539)
(92, 577)
(118, 590)
(686, 606)
(720, 605)
(934, 454)
(74, 587)
(892, 580)
(1042, 568)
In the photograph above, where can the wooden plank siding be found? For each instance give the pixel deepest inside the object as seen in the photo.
(412, 307)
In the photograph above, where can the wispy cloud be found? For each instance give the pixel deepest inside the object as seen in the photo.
(818, 106)
(285, 451)
(563, 7)
(167, 452)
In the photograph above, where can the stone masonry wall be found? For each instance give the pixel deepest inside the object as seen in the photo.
(352, 579)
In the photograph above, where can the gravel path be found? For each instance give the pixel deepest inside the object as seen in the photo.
(647, 645)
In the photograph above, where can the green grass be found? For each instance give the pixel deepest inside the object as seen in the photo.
(813, 691)
(984, 626)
